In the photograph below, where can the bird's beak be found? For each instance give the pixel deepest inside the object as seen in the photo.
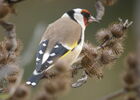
(92, 19)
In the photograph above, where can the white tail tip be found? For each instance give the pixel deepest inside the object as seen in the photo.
(28, 82)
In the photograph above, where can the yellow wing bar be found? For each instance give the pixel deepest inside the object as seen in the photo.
(72, 47)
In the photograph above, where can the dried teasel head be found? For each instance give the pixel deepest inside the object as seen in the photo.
(107, 57)
(117, 30)
(44, 96)
(89, 61)
(12, 78)
(131, 97)
(109, 2)
(131, 76)
(116, 47)
(5, 10)
(8, 69)
(103, 35)
(7, 7)
(132, 61)
(21, 93)
(4, 52)
(60, 82)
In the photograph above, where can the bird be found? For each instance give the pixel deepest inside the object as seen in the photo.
(62, 41)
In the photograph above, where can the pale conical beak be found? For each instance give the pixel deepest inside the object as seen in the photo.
(92, 19)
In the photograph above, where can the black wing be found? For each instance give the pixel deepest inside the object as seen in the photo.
(58, 51)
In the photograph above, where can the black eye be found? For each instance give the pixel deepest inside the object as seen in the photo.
(86, 15)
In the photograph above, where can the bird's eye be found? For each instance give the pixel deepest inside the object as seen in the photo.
(86, 13)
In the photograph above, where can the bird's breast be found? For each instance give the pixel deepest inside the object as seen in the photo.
(73, 55)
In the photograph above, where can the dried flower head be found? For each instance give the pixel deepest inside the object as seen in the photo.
(12, 78)
(131, 76)
(43, 96)
(61, 80)
(107, 57)
(4, 11)
(131, 98)
(89, 61)
(117, 30)
(21, 92)
(5, 48)
(103, 35)
(109, 2)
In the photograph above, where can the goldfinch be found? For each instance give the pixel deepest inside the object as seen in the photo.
(63, 40)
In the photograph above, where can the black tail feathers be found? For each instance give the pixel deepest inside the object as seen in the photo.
(34, 79)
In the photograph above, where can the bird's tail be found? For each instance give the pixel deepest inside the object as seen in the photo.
(34, 79)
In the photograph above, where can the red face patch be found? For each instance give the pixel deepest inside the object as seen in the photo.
(86, 11)
(86, 14)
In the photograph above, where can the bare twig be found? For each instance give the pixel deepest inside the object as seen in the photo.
(80, 81)
(115, 94)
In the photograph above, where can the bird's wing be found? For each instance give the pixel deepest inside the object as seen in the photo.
(45, 60)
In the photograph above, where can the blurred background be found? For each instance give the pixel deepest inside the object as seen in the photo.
(32, 13)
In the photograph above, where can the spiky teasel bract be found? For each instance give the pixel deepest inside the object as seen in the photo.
(89, 61)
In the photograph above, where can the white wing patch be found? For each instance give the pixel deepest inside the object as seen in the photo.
(52, 54)
(41, 52)
(45, 57)
(35, 73)
(67, 47)
(37, 59)
(50, 62)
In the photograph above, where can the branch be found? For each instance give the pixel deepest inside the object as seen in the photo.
(115, 94)
(80, 81)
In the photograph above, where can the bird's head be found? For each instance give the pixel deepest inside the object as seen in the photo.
(81, 16)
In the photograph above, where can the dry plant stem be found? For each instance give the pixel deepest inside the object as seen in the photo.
(115, 94)
(80, 81)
